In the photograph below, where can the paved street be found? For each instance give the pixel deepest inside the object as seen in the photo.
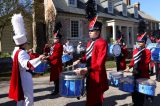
(113, 97)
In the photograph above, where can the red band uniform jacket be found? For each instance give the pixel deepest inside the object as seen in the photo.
(56, 61)
(143, 64)
(97, 81)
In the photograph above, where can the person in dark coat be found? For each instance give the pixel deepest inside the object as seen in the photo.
(121, 60)
(55, 59)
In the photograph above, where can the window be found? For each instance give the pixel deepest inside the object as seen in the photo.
(124, 9)
(135, 12)
(110, 6)
(74, 28)
(130, 35)
(72, 3)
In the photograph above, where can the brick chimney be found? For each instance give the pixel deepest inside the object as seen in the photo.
(128, 2)
(137, 5)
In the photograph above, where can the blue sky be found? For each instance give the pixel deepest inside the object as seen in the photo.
(151, 7)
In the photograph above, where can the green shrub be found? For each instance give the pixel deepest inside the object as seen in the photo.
(3, 55)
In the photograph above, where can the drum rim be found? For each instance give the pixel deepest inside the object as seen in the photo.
(153, 84)
(69, 77)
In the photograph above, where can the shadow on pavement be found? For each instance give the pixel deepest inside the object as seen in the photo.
(108, 101)
(10, 103)
(111, 101)
(48, 96)
(81, 103)
(3, 95)
(43, 89)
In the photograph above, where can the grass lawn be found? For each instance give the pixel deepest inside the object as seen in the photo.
(110, 64)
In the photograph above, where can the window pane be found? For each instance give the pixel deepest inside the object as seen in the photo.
(74, 28)
(72, 2)
(110, 6)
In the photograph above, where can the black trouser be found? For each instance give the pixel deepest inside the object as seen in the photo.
(157, 71)
(56, 84)
(118, 66)
(138, 98)
(118, 59)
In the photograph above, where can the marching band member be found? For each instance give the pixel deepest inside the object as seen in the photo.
(121, 60)
(96, 54)
(140, 63)
(55, 58)
(95, 58)
(21, 84)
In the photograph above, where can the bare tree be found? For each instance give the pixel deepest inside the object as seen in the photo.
(7, 9)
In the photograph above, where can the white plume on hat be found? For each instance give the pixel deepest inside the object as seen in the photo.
(19, 30)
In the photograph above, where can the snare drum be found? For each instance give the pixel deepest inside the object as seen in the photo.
(66, 58)
(114, 78)
(41, 68)
(146, 86)
(71, 85)
(126, 84)
(115, 50)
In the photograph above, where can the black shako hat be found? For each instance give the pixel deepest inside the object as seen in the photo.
(56, 32)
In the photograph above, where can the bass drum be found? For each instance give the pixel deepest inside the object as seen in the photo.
(114, 50)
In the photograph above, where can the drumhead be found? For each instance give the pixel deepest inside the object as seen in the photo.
(146, 81)
(116, 50)
(129, 80)
(70, 75)
(117, 74)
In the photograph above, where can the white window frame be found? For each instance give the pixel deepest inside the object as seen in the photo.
(110, 6)
(72, 5)
(71, 29)
(124, 9)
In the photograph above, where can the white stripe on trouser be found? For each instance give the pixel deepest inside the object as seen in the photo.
(27, 102)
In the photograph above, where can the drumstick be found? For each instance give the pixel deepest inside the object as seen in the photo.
(69, 66)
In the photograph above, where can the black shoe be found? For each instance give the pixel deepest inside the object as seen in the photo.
(54, 92)
(150, 99)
